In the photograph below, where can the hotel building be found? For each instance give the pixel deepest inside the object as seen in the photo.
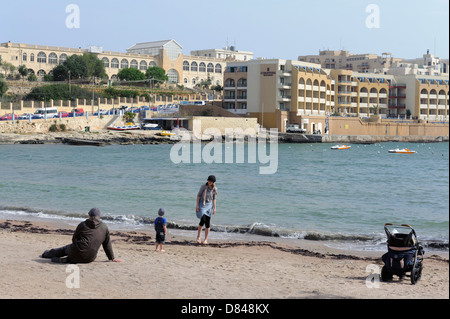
(279, 92)
(187, 70)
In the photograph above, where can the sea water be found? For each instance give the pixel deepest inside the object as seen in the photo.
(341, 197)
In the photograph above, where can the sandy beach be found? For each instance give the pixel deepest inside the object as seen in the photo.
(220, 270)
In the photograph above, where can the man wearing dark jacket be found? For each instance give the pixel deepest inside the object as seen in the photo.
(86, 241)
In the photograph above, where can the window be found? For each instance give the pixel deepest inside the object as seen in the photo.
(52, 58)
(194, 66)
(185, 66)
(218, 68)
(105, 62)
(32, 57)
(134, 64)
(173, 76)
(24, 56)
(143, 66)
(151, 64)
(41, 73)
(115, 63)
(210, 68)
(62, 58)
(124, 64)
(202, 67)
(41, 58)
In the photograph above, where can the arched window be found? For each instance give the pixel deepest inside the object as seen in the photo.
(52, 58)
(242, 82)
(229, 83)
(24, 56)
(62, 58)
(143, 65)
(218, 68)
(210, 68)
(134, 64)
(114, 63)
(202, 67)
(41, 58)
(173, 76)
(301, 81)
(41, 73)
(424, 91)
(124, 64)
(185, 66)
(32, 57)
(105, 62)
(151, 64)
(194, 67)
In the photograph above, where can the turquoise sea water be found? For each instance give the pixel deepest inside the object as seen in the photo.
(316, 193)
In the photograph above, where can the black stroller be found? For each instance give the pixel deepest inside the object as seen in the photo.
(404, 253)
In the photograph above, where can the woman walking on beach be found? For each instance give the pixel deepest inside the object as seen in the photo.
(206, 206)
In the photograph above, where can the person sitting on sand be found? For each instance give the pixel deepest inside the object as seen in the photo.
(161, 230)
(86, 241)
(206, 206)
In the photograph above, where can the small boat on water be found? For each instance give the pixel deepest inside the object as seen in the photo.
(402, 151)
(340, 147)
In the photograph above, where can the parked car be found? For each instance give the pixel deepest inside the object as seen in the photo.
(77, 111)
(101, 112)
(63, 114)
(25, 116)
(294, 128)
(8, 117)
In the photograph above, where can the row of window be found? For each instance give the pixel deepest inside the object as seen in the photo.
(42, 57)
(115, 64)
(124, 64)
(202, 67)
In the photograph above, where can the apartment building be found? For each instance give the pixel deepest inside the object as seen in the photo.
(344, 60)
(228, 53)
(278, 92)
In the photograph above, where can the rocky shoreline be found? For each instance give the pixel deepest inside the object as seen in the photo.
(106, 137)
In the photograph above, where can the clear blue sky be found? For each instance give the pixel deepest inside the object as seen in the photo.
(273, 29)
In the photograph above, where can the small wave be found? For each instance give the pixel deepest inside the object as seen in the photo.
(260, 229)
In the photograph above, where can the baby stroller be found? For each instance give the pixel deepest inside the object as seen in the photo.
(404, 253)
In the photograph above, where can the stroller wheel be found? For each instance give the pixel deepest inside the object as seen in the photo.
(416, 273)
(385, 274)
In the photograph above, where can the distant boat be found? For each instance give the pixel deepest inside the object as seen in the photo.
(340, 147)
(166, 133)
(79, 141)
(128, 127)
(402, 151)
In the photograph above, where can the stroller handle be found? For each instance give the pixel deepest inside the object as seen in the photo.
(403, 225)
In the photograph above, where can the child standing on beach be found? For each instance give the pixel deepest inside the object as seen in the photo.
(161, 230)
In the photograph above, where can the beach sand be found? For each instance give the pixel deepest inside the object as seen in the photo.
(220, 270)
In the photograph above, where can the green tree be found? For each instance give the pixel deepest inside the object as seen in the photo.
(156, 73)
(77, 66)
(131, 74)
(94, 66)
(3, 87)
(23, 71)
(59, 91)
(60, 73)
(82, 67)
